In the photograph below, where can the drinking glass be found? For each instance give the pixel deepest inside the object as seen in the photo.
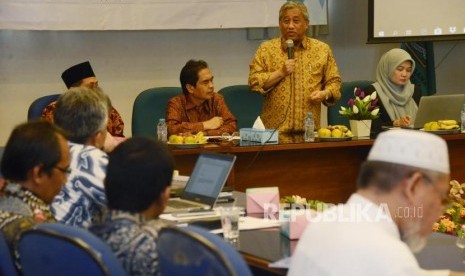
(460, 242)
(230, 223)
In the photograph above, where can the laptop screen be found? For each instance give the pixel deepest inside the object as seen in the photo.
(208, 177)
(439, 107)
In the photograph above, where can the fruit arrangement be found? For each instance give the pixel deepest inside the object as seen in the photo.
(336, 131)
(188, 139)
(441, 125)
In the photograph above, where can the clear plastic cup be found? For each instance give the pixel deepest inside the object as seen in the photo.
(230, 223)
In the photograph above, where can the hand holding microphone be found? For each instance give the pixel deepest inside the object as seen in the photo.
(290, 48)
(286, 69)
(289, 65)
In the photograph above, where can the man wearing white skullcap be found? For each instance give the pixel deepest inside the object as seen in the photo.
(402, 190)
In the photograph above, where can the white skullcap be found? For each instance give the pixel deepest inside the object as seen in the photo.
(412, 148)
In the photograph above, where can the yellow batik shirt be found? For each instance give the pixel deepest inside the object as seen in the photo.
(315, 70)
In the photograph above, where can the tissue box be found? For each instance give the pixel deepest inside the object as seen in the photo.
(268, 136)
(262, 200)
(293, 222)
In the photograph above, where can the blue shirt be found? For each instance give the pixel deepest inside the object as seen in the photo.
(82, 199)
(132, 239)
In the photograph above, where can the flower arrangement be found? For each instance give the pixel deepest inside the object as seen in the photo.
(361, 106)
(291, 202)
(452, 220)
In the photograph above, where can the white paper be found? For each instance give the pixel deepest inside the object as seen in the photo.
(225, 194)
(282, 263)
(227, 138)
(193, 217)
(179, 181)
(250, 223)
(258, 124)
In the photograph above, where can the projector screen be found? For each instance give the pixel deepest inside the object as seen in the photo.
(147, 14)
(415, 20)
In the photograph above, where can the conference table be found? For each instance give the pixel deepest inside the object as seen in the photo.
(325, 171)
(264, 246)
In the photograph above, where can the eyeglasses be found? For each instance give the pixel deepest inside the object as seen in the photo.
(229, 137)
(66, 171)
(446, 201)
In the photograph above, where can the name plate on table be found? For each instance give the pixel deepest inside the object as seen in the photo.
(265, 136)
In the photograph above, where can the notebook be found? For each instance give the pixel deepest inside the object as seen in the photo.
(439, 107)
(205, 183)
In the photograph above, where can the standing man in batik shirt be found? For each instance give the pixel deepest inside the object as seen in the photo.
(35, 165)
(291, 87)
(199, 108)
(137, 187)
(83, 114)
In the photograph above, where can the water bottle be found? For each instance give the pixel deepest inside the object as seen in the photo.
(462, 118)
(162, 131)
(309, 127)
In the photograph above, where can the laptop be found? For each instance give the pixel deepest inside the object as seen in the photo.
(204, 185)
(439, 107)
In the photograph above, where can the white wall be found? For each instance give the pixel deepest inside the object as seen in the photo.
(128, 62)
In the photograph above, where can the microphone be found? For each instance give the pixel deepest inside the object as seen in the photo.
(290, 48)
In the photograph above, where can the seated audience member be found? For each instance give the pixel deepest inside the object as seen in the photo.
(399, 97)
(82, 75)
(406, 172)
(35, 165)
(83, 114)
(199, 108)
(137, 187)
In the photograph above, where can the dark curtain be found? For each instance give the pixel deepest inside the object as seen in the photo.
(425, 74)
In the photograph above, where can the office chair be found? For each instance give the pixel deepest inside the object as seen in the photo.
(244, 104)
(58, 249)
(36, 107)
(195, 251)
(149, 106)
(7, 266)
(347, 92)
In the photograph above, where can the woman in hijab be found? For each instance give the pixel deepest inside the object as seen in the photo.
(398, 96)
